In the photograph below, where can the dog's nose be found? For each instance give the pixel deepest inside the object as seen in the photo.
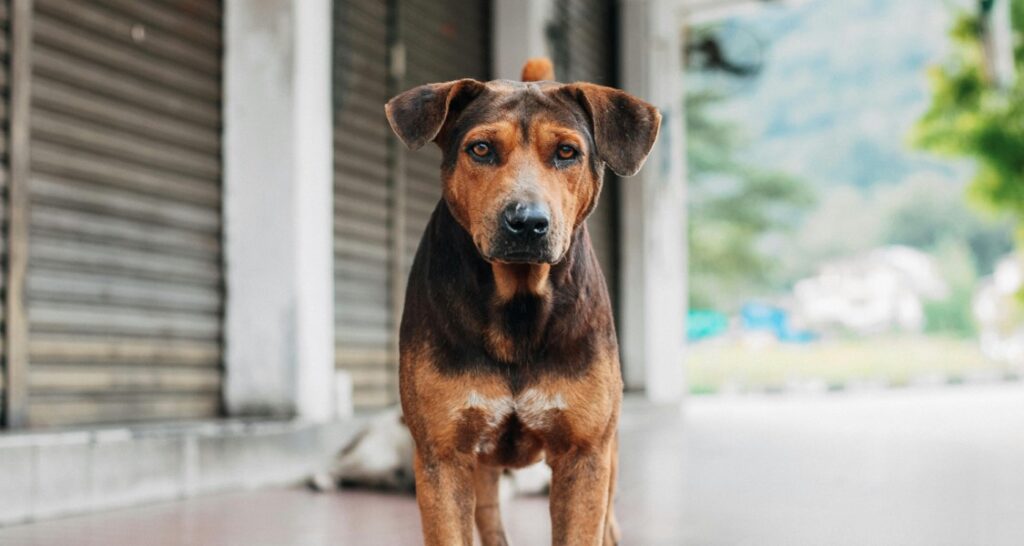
(527, 220)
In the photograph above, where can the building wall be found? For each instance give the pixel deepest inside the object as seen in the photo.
(278, 213)
(653, 206)
(263, 237)
(279, 229)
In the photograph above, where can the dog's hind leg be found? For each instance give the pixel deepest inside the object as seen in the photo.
(488, 509)
(612, 535)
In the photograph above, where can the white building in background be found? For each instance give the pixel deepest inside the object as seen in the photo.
(881, 291)
(208, 224)
(1000, 314)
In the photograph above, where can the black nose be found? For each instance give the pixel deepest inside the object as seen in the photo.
(526, 220)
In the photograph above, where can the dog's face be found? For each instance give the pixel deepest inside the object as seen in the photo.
(523, 162)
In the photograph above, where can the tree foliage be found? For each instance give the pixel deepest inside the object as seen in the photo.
(732, 205)
(930, 214)
(971, 117)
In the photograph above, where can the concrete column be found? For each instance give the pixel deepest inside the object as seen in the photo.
(653, 207)
(278, 212)
(519, 34)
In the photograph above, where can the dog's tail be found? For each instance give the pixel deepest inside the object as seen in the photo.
(538, 69)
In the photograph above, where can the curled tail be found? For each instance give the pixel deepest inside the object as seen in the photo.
(538, 69)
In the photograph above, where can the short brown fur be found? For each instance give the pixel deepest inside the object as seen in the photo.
(508, 360)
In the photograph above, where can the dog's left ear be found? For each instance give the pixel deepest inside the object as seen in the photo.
(419, 114)
(625, 127)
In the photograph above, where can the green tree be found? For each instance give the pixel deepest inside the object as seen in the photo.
(926, 213)
(971, 117)
(732, 206)
(952, 315)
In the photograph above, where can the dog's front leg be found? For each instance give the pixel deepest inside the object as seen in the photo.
(445, 493)
(580, 480)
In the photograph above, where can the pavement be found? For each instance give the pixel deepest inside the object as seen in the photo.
(921, 467)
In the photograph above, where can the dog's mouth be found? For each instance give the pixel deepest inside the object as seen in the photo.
(507, 250)
(520, 257)
(510, 252)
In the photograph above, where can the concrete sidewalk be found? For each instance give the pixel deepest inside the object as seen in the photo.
(916, 467)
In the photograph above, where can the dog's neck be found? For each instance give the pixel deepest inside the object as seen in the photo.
(517, 313)
(511, 280)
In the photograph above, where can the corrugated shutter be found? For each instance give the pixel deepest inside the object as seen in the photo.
(587, 52)
(5, 59)
(443, 41)
(124, 283)
(384, 195)
(363, 202)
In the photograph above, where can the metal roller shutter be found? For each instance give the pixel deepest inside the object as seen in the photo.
(123, 289)
(363, 202)
(384, 195)
(587, 52)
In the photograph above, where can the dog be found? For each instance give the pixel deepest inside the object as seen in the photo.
(380, 457)
(508, 351)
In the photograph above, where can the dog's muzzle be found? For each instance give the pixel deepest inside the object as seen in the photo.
(522, 236)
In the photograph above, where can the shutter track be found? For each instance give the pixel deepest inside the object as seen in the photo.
(5, 59)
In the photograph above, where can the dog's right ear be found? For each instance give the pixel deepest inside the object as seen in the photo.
(419, 114)
(625, 127)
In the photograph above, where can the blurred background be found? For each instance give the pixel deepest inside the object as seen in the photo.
(207, 225)
(854, 195)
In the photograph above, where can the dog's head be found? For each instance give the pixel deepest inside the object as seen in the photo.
(524, 161)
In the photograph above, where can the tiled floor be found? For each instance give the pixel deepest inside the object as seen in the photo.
(929, 468)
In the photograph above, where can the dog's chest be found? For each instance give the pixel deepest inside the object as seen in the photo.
(510, 429)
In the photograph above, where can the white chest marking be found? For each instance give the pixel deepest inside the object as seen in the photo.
(533, 407)
(495, 410)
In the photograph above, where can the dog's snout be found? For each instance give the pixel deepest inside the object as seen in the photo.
(526, 220)
(522, 233)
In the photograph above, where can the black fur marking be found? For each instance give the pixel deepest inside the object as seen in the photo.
(508, 442)
(450, 304)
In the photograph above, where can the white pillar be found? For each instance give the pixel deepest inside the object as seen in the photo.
(278, 211)
(653, 207)
(519, 34)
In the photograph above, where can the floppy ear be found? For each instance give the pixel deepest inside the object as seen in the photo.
(625, 127)
(418, 115)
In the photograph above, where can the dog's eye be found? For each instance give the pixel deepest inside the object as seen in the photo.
(481, 150)
(565, 152)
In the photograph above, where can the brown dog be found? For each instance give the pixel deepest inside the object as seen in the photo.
(508, 348)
